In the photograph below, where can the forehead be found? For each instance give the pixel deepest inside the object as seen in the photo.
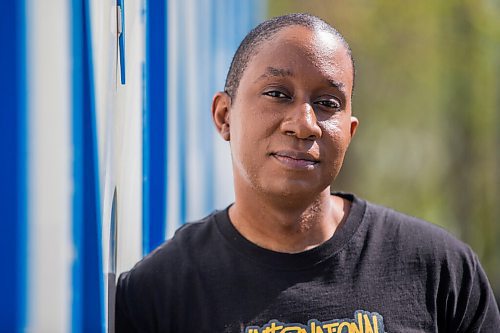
(298, 47)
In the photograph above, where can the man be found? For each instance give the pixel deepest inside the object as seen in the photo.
(289, 255)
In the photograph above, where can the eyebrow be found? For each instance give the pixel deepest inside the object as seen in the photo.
(275, 72)
(283, 72)
(336, 84)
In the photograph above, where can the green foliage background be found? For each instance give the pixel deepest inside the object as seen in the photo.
(428, 99)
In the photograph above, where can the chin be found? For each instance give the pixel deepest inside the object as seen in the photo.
(293, 189)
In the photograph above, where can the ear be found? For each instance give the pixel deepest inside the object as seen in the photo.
(221, 105)
(354, 125)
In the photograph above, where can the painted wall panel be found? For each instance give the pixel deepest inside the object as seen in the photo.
(104, 45)
(128, 141)
(202, 36)
(13, 231)
(87, 301)
(85, 137)
(119, 120)
(154, 127)
(50, 179)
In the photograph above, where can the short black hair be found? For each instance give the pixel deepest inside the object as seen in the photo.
(265, 31)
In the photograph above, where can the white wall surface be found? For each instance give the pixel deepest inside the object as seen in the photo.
(50, 184)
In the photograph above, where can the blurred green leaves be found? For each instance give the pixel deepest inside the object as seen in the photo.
(428, 99)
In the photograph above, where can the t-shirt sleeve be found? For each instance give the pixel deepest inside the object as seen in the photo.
(477, 305)
(131, 309)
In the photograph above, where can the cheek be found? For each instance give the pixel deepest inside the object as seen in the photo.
(248, 137)
(331, 127)
(336, 129)
(256, 124)
(337, 135)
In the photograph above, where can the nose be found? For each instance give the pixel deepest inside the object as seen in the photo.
(301, 122)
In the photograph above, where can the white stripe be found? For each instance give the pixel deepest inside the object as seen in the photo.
(50, 168)
(127, 142)
(223, 165)
(103, 20)
(194, 143)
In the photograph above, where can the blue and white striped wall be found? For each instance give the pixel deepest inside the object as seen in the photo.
(107, 144)
(202, 36)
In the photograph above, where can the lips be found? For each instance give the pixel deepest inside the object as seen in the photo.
(295, 160)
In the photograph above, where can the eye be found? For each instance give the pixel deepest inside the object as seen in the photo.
(331, 103)
(275, 94)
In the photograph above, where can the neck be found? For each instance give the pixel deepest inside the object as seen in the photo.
(288, 225)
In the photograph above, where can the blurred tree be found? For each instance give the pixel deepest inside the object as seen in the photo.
(428, 98)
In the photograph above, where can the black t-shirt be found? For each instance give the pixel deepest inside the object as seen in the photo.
(381, 271)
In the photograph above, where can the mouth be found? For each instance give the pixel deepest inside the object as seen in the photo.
(295, 160)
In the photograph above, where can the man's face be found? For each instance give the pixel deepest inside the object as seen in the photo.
(290, 123)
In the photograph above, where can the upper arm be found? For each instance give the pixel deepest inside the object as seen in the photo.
(133, 311)
(482, 314)
(477, 310)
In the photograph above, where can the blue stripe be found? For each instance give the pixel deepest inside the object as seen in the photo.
(23, 169)
(181, 120)
(87, 278)
(94, 275)
(13, 194)
(77, 213)
(154, 130)
(146, 174)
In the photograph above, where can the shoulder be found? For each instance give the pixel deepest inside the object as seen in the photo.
(188, 242)
(420, 248)
(431, 263)
(450, 268)
(409, 232)
(165, 266)
(155, 282)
